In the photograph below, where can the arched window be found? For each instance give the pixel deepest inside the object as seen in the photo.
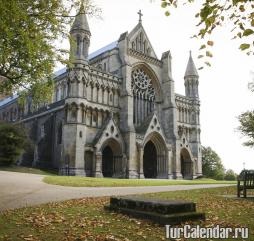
(73, 113)
(144, 47)
(143, 95)
(148, 51)
(140, 42)
(83, 47)
(110, 98)
(78, 45)
(59, 133)
(57, 94)
(64, 91)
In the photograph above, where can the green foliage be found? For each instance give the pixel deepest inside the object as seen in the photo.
(239, 14)
(13, 140)
(230, 175)
(211, 164)
(39, 92)
(246, 127)
(28, 33)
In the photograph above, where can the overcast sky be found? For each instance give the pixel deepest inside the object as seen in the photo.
(223, 88)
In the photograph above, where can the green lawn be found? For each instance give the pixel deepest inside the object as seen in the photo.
(86, 219)
(76, 181)
(27, 170)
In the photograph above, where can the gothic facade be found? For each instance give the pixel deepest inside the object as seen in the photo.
(115, 113)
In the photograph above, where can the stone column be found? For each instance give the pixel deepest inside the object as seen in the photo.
(98, 164)
(162, 171)
(170, 175)
(136, 109)
(36, 156)
(177, 164)
(141, 171)
(124, 166)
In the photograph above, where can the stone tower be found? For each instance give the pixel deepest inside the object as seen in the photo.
(191, 82)
(191, 79)
(74, 131)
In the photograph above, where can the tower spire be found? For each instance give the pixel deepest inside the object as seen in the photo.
(80, 33)
(191, 79)
(191, 68)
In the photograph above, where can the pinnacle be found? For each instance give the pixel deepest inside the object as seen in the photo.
(80, 22)
(191, 68)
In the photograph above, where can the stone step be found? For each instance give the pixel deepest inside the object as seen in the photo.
(153, 205)
(162, 219)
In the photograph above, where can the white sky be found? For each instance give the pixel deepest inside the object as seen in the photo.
(223, 88)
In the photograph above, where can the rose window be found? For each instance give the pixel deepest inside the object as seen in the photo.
(142, 83)
(143, 95)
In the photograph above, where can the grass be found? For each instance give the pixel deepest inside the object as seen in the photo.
(27, 170)
(86, 219)
(75, 181)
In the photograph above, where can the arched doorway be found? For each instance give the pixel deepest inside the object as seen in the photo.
(150, 160)
(107, 162)
(186, 164)
(113, 163)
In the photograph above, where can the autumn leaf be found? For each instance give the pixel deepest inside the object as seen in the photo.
(202, 47)
(210, 43)
(209, 54)
(248, 32)
(244, 46)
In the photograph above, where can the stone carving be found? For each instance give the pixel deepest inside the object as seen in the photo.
(141, 83)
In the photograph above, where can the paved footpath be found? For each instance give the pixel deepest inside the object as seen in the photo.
(22, 189)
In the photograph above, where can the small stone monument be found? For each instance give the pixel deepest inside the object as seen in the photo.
(159, 211)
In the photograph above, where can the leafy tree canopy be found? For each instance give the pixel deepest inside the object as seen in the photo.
(13, 140)
(230, 175)
(211, 164)
(239, 14)
(246, 127)
(28, 33)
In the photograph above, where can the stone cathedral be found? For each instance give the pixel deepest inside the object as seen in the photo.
(115, 113)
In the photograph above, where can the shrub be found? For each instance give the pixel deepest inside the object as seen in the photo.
(230, 175)
(13, 140)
